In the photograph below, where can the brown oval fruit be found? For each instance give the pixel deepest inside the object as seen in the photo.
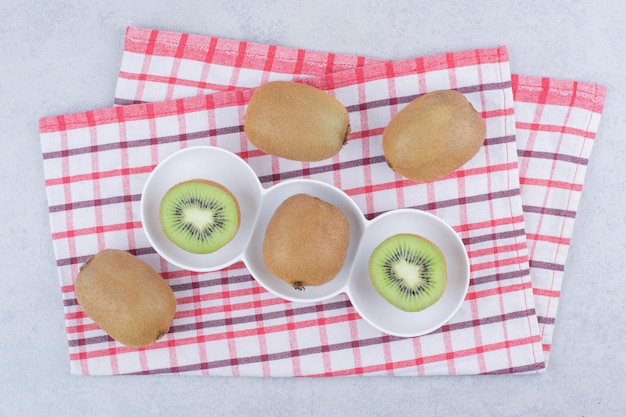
(296, 121)
(306, 241)
(433, 136)
(126, 297)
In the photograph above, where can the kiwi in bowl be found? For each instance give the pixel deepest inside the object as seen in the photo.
(199, 207)
(199, 216)
(305, 240)
(411, 273)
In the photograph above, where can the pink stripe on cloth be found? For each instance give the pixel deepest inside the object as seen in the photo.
(556, 123)
(227, 324)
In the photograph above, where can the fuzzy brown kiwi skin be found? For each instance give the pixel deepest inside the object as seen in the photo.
(433, 136)
(125, 297)
(306, 241)
(296, 121)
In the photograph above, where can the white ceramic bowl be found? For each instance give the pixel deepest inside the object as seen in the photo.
(273, 197)
(257, 206)
(374, 308)
(213, 164)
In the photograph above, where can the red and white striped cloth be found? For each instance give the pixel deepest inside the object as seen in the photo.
(556, 124)
(96, 163)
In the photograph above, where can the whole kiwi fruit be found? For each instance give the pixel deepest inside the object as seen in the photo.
(306, 241)
(408, 271)
(126, 297)
(433, 136)
(296, 121)
(199, 216)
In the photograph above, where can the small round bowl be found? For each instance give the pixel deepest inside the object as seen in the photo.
(273, 197)
(379, 312)
(211, 163)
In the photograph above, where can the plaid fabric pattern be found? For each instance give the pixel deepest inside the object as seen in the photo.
(556, 124)
(96, 163)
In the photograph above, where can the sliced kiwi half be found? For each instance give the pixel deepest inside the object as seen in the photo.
(408, 271)
(199, 216)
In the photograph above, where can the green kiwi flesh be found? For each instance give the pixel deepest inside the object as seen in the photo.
(408, 271)
(199, 216)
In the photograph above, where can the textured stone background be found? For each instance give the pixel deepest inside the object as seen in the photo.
(63, 56)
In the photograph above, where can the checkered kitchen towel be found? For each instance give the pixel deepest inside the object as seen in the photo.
(556, 124)
(96, 164)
